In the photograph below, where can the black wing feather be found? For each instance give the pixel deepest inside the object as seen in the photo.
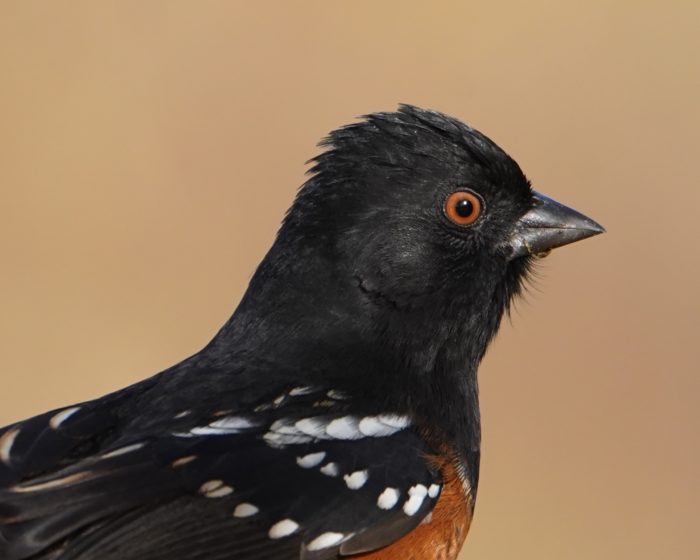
(174, 493)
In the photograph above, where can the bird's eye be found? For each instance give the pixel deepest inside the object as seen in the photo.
(463, 208)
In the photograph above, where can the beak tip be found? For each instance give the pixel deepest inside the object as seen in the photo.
(549, 225)
(595, 228)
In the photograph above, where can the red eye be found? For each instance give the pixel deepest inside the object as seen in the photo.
(463, 208)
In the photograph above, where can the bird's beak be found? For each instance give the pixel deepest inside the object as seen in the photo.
(549, 225)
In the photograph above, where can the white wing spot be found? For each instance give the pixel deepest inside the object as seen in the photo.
(311, 460)
(416, 494)
(298, 391)
(314, 427)
(383, 425)
(284, 426)
(245, 510)
(325, 540)
(7, 440)
(181, 414)
(53, 483)
(434, 490)
(388, 498)
(395, 421)
(215, 489)
(280, 440)
(372, 427)
(283, 528)
(284, 432)
(337, 395)
(345, 427)
(211, 485)
(223, 426)
(60, 417)
(234, 423)
(220, 492)
(356, 480)
(288, 431)
(330, 469)
(122, 450)
(206, 431)
(182, 461)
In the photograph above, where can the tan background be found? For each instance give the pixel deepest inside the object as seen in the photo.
(149, 149)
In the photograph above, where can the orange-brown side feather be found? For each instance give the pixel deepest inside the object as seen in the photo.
(442, 536)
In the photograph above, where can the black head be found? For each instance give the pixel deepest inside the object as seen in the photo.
(412, 201)
(412, 236)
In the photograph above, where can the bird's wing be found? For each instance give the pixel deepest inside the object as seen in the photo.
(59, 438)
(300, 476)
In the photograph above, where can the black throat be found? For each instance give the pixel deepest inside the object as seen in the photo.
(418, 356)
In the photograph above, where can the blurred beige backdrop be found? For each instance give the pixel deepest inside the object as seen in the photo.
(149, 149)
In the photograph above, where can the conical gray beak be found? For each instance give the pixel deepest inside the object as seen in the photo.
(548, 225)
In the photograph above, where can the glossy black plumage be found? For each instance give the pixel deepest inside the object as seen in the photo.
(358, 338)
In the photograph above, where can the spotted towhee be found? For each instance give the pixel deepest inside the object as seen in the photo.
(336, 413)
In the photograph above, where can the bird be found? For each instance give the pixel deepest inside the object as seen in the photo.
(336, 413)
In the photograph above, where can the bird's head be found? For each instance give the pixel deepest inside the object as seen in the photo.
(415, 202)
(418, 221)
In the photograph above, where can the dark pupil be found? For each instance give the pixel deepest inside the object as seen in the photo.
(464, 208)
